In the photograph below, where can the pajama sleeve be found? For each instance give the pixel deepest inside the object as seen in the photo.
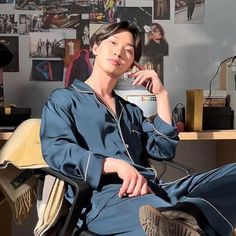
(162, 139)
(61, 149)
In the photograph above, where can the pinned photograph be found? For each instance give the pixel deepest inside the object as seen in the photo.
(31, 23)
(161, 9)
(72, 48)
(105, 11)
(64, 14)
(83, 33)
(8, 24)
(139, 16)
(155, 48)
(6, 1)
(12, 43)
(80, 68)
(48, 44)
(189, 11)
(47, 70)
(33, 5)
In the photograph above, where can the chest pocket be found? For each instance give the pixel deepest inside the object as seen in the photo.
(136, 141)
(136, 130)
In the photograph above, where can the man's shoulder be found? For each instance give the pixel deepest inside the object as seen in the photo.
(61, 94)
(60, 91)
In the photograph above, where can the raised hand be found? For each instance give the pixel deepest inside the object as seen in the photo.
(148, 78)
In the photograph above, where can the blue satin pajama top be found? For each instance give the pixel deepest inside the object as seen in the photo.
(78, 131)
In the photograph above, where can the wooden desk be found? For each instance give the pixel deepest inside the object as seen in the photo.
(225, 147)
(209, 135)
(225, 143)
(5, 135)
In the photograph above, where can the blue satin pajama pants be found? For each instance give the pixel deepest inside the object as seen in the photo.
(213, 192)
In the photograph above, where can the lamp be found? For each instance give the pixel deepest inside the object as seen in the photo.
(5, 58)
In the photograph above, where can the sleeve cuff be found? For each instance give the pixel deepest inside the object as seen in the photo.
(164, 128)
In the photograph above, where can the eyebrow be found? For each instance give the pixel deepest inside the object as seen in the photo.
(129, 44)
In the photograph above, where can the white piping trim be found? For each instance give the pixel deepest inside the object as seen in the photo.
(216, 210)
(86, 169)
(174, 181)
(163, 135)
(154, 171)
(81, 91)
(135, 131)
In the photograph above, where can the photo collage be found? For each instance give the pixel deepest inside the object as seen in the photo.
(59, 32)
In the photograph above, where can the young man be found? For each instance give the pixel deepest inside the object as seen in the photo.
(90, 133)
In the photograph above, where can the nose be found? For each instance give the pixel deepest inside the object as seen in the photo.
(118, 51)
(117, 54)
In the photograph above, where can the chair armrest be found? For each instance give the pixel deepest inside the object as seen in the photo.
(179, 166)
(173, 164)
(81, 199)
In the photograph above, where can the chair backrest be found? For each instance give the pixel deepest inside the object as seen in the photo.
(22, 155)
(23, 149)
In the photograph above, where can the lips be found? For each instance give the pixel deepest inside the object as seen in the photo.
(115, 62)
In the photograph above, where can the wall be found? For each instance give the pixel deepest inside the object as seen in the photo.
(195, 50)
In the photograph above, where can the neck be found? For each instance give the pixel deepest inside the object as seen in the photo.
(101, 83)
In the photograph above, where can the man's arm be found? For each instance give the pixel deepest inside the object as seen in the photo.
(151, 81)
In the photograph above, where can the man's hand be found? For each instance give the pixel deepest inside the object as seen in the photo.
(134, 184)
(148, 78)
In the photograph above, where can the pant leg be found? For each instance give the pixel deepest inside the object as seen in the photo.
(209, 191)
(120, 216)
(188, 12)
(191, 11)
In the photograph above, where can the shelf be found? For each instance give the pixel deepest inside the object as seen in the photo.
(209, 135)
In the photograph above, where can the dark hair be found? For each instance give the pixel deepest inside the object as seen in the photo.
(159, 27)
(110, 29)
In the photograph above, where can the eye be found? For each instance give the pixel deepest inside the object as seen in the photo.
(112, 42)
(129, 50)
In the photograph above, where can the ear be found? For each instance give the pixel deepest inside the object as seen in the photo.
(95, 49)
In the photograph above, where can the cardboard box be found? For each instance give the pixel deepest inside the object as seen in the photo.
(194, 110)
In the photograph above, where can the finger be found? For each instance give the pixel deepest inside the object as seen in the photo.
(138, 79)
(149, 85)
(143, 81)
(144, 189)
(139, 66)
(135, 74)
(138, 186)
(124, 188)
(137, 190)
(132, 185)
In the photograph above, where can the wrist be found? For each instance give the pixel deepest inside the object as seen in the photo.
(109, 165)
(163, 92)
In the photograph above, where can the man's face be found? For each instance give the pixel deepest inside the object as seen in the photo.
(115, 55)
